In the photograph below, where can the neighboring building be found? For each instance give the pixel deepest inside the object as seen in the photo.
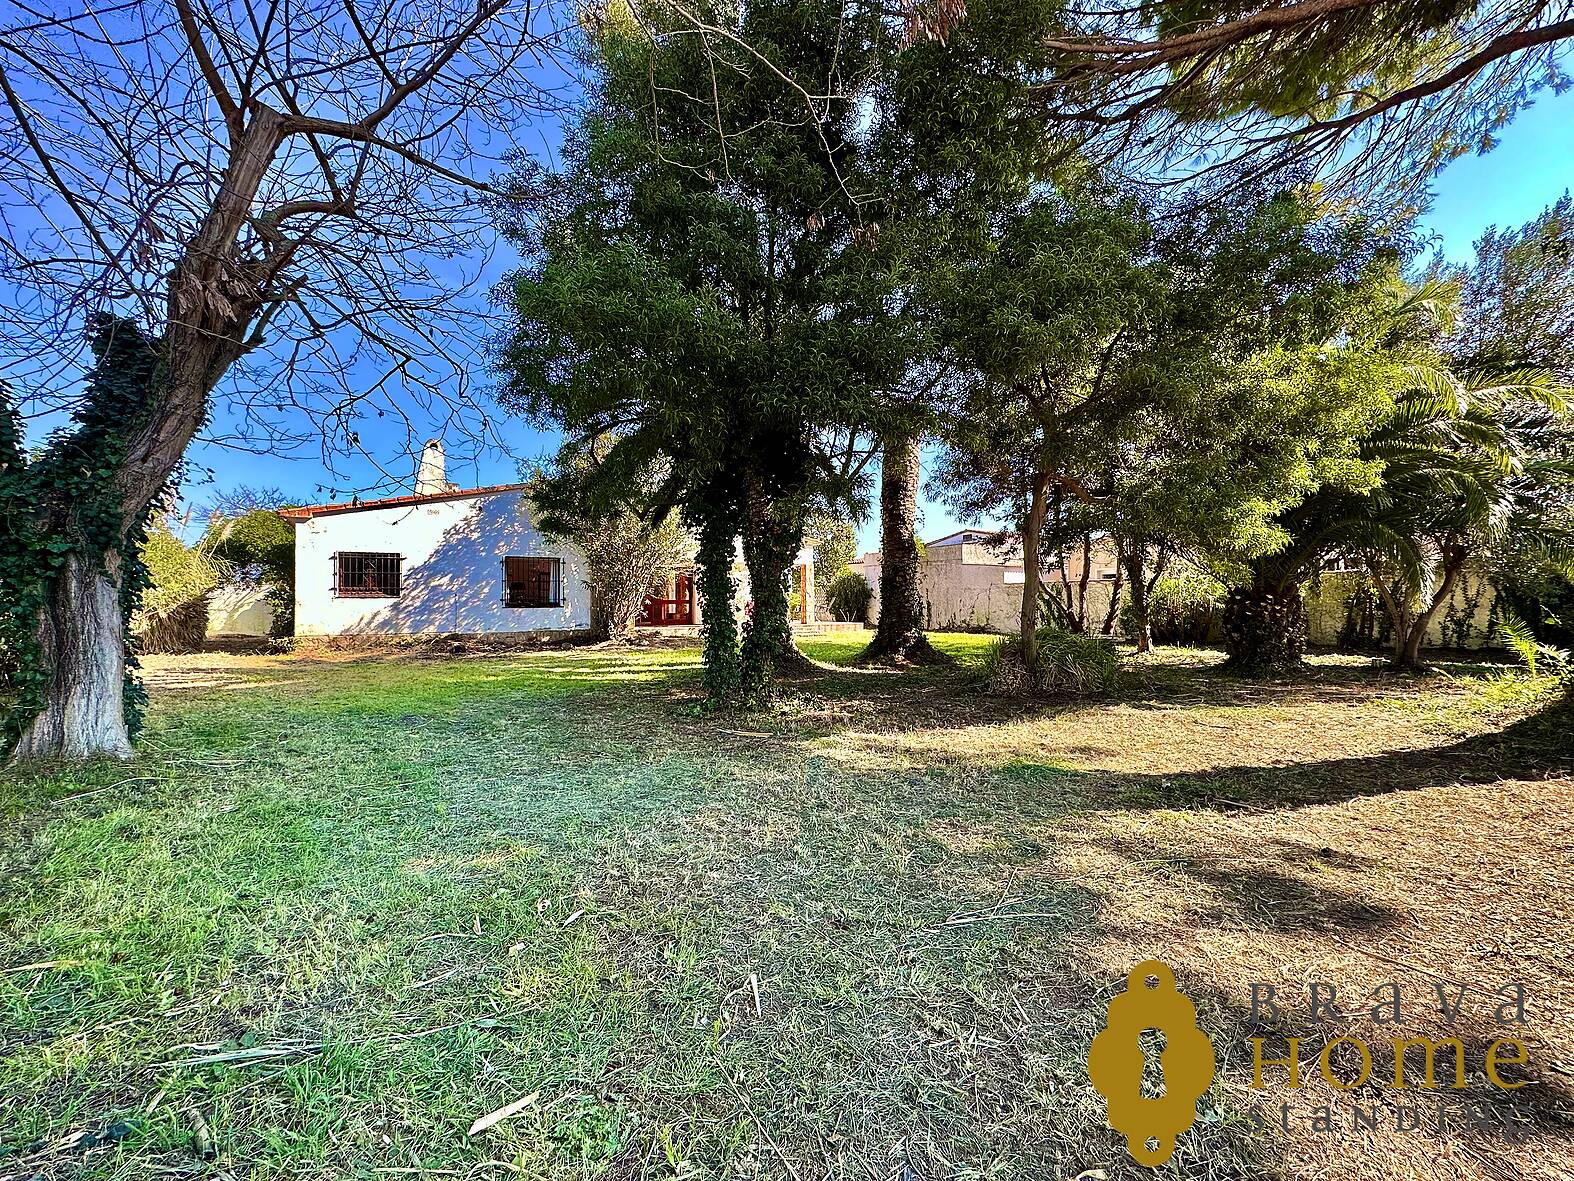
(972, 580)
(460, 560)
(676, 600)
(1341, 610)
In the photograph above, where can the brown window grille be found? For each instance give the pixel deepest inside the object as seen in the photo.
(366, 576)
(532, 582)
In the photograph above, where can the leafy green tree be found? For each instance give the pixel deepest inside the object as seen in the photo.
(1476, 459)
(835, 541)
(1171, 390)
(703, 282)
(1516, 304)
(1469, 464)
(629, 540)
(1372, 361)
(958, 143)
(1032, 317)
(258, 545)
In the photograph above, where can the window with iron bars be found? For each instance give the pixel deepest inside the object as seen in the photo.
(366, 575)
(532, 582)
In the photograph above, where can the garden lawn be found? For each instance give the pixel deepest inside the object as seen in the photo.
(341, 909)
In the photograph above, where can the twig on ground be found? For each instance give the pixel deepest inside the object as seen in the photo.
(1409, 967)
(250, 1054)
(769, 1139)
(507, 1111)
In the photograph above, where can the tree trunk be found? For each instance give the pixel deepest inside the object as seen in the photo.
(1113, 610)
(1398, 611)
(1264, 629)
(718, 617)
(82, 637)
(1082, 583)
(772, 537)
(1133, 557)
(600, 629)
(899, 635)
(1031, 535)
(215, 294)
(1408, 651)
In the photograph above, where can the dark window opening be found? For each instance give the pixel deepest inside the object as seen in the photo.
(366, 576)
(532, 582)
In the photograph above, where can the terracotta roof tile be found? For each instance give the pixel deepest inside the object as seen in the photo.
(306, 512)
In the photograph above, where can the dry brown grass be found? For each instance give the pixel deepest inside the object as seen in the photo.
(1353, 827)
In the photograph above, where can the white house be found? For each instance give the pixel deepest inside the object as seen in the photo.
(462, 560)
(465, 560)
(445, 559)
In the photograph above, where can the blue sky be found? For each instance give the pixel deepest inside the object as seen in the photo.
(1532, 167)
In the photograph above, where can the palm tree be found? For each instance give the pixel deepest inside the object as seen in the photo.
(1469, 457)
(1470, 462)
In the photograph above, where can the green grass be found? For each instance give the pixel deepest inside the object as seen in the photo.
(336, 911)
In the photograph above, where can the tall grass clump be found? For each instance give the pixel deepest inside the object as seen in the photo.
(173, 616)
(1069, 665)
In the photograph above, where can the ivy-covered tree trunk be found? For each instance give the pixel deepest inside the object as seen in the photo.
(81, 638)
(772, 537)
(899, 633)
(1264, 629)
(718, 616)
(147, 398)
(71, 575)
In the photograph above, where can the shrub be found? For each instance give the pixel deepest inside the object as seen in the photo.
(850, 596)
(259, 547)
(1069, 665)
(173, 616)
(1186, 608)
(1539, 658)
(1541, 598)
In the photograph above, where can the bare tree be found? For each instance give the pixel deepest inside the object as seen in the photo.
(266, 189)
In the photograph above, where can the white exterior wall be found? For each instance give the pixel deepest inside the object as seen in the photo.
(452, 571)
(240, 610)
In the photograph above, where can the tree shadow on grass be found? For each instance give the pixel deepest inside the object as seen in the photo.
(1255, 894)
(1537, 747)
(909, 700)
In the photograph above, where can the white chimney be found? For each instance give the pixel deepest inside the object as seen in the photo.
(429, 475)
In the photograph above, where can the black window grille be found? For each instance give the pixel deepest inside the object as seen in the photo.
(366, 575)
(532, 582)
